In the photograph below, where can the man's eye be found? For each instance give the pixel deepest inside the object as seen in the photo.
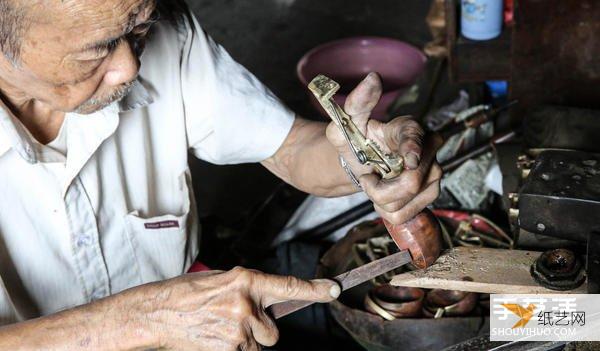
(92, 56)
(98, 53)
(142, 29)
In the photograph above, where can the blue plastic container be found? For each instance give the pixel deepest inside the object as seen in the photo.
(498, 88)
(481, 19)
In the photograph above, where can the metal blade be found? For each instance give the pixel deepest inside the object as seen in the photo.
(349, 280)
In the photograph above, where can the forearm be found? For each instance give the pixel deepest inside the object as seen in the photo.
(98, 326)
(309, 162)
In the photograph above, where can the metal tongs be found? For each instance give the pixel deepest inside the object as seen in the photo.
(366, 150)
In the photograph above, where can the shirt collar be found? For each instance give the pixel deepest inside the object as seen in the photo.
(13, 134)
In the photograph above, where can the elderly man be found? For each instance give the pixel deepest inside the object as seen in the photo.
(97, 220)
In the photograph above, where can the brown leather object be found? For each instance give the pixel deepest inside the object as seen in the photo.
(421, 236)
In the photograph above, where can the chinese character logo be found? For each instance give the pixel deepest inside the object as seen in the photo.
(525, 314)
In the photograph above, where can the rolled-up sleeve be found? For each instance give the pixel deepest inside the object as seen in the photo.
(8, 311)
(231, 117)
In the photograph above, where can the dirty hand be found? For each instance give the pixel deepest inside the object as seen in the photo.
(397, 200)
(218, 310)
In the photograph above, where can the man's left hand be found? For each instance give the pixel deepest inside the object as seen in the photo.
(400, 199)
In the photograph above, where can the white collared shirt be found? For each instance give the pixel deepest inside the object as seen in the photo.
(117, 210)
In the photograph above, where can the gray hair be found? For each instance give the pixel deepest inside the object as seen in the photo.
(13, 25)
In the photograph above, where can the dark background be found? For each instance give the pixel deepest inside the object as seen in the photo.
(269, 37)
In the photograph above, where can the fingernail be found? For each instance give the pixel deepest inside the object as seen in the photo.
(370, 75)
(335, 291)
(412, 160)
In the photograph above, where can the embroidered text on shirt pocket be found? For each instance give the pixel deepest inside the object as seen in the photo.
(160, 244)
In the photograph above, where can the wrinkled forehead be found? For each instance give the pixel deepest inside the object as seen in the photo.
(88, 19)
(98, 12)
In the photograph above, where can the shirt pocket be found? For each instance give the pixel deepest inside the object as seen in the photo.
(161, 244)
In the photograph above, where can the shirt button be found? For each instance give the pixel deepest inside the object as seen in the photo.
(84, 240)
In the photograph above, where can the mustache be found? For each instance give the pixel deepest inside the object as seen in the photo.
(95, 104)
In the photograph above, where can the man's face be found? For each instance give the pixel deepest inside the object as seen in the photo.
(79, 55)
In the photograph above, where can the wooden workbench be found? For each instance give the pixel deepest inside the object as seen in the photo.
(480, 270)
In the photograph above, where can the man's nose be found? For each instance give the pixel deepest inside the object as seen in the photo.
(124, 65)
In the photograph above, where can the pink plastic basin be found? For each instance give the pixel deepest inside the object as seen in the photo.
(349, 60)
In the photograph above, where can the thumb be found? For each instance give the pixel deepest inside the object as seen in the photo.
(273, 289)
(363, 99)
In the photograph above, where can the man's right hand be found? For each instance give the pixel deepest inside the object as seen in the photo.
(215, 310)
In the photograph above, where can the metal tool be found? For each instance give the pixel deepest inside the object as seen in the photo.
(349, 280)
(366, 150)
(421, 235)
(473, 118)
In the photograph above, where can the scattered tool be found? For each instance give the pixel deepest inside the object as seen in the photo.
(473, 118)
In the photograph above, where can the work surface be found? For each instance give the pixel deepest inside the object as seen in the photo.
(480, 270)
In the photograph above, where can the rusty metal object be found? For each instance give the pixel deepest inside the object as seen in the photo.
(513, 214)
(525, 163)
(561, 196)
(392, 302)
(558, 269)
(421, 236)
(449, 303)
